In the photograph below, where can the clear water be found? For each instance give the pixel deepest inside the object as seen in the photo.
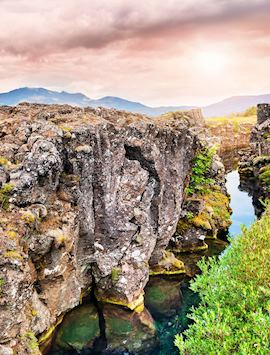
(171, 317)
(241, 204)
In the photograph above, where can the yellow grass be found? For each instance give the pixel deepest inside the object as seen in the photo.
(227, 120)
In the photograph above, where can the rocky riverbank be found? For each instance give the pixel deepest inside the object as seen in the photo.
(90, 200)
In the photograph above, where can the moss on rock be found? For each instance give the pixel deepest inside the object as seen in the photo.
(264, 175)
(134, 304)
(5, 193)
(214, 215)
(168, 265)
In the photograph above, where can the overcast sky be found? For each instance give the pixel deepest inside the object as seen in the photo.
(153, 51)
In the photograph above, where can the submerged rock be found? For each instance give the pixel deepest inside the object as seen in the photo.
(163, 297)
(127, 331)
(78, 331)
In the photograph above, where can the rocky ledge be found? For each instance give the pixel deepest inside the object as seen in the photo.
(90, 199)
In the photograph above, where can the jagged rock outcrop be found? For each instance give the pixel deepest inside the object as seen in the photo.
(89, 197)
(254, 167)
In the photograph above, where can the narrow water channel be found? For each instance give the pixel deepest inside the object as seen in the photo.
(168, 299)
(241, 204)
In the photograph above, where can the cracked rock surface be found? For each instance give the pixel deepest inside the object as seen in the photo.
(88, 197)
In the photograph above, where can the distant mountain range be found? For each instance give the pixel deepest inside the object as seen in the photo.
(228, 106)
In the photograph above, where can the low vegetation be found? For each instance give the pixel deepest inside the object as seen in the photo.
(234, 313)
(264, 176)
(247, 117)
(199, 180)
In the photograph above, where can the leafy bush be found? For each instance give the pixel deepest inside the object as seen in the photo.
(234, 314)
(199, 181)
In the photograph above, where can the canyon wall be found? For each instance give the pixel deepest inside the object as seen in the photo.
(231, 136)
(260, 135)
(254, 167)
(90, 199)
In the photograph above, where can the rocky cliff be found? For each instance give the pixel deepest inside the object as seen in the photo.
(254, 167)
(90, 199)
(231, 136)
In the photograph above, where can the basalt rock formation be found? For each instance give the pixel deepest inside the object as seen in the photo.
(254, 167)
(206, 211)
(90, 199)
(231, 137)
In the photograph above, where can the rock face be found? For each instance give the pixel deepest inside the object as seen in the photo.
(254, 167)
(260, 136)
(205, 212)
(231, 138)
(90, 197)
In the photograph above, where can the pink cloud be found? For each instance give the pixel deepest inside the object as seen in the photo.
(139, 51)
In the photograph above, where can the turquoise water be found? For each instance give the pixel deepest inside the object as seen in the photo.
(241, 204)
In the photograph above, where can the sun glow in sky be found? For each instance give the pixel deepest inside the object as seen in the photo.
(153, 51)
(211, 61)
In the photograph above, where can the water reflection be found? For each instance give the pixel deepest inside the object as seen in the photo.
(241, 204)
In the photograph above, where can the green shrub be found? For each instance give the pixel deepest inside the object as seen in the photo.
(200, 168)
(234, 313)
